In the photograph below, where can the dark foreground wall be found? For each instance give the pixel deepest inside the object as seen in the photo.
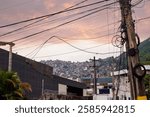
(33, 72)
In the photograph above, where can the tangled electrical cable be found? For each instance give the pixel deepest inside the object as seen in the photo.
(117, 41)
(120, 40)
(138, 70)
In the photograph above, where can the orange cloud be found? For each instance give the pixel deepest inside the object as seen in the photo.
(67, 5)
(49, 4)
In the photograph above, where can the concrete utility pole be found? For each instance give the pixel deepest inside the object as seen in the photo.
(94, 80)
(113, 80)
(134, 67)
(10, 53)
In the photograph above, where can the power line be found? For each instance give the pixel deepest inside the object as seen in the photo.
(39, 20)
(144, 18)
(74, 51)
(136, 3)
(58, 19)
(39, 48)
(79, 49)
(79, 38)
(91, 38)
(64, 23)
(52, 20)
(75, 46)
(56, 13)
(21, 28)
(71, 53)
(66, 38)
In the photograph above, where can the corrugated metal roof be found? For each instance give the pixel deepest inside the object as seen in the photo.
(147, 67)
(104, 80)
(125, 71)
(121, 72)
(100, 80)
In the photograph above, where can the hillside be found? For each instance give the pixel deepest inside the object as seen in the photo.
(145, 51)
(68, 69)
(75, 70)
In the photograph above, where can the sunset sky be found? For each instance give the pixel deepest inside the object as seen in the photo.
(66, 37)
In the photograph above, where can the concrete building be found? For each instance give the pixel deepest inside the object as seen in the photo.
(147, 67)
(122, 83)
(104, 88)
(41, 78)
(124, 92)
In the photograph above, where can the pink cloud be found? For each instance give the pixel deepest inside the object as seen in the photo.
(49, 4)
(67, 5)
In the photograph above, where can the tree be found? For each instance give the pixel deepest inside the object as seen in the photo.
(11, 87)
(147, 85)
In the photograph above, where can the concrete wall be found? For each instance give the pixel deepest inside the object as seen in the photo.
(102, 97)
(62, 89)
(34, 72)
(124, 89)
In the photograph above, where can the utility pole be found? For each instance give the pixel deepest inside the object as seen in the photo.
(10, 53)
(131, 77)
(95, 74)
(10, 57)
(136, 72)
(113, 80)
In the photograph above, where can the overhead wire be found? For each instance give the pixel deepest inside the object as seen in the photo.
(18, 29)
(39, 48)
(38, 20)
(78, 49)
(144, 2)
(82, 38)
(141, 19)
(67, 39)
(91, 38)
(71, 51)
(136, 3)
(52, 14)
(80, 13)
(108, 30)
(114, 26)
(64, 23)
(95, 8)
(58, 26)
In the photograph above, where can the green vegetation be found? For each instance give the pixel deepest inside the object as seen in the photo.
(145, 52)
(147, 85)
(11, 87)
